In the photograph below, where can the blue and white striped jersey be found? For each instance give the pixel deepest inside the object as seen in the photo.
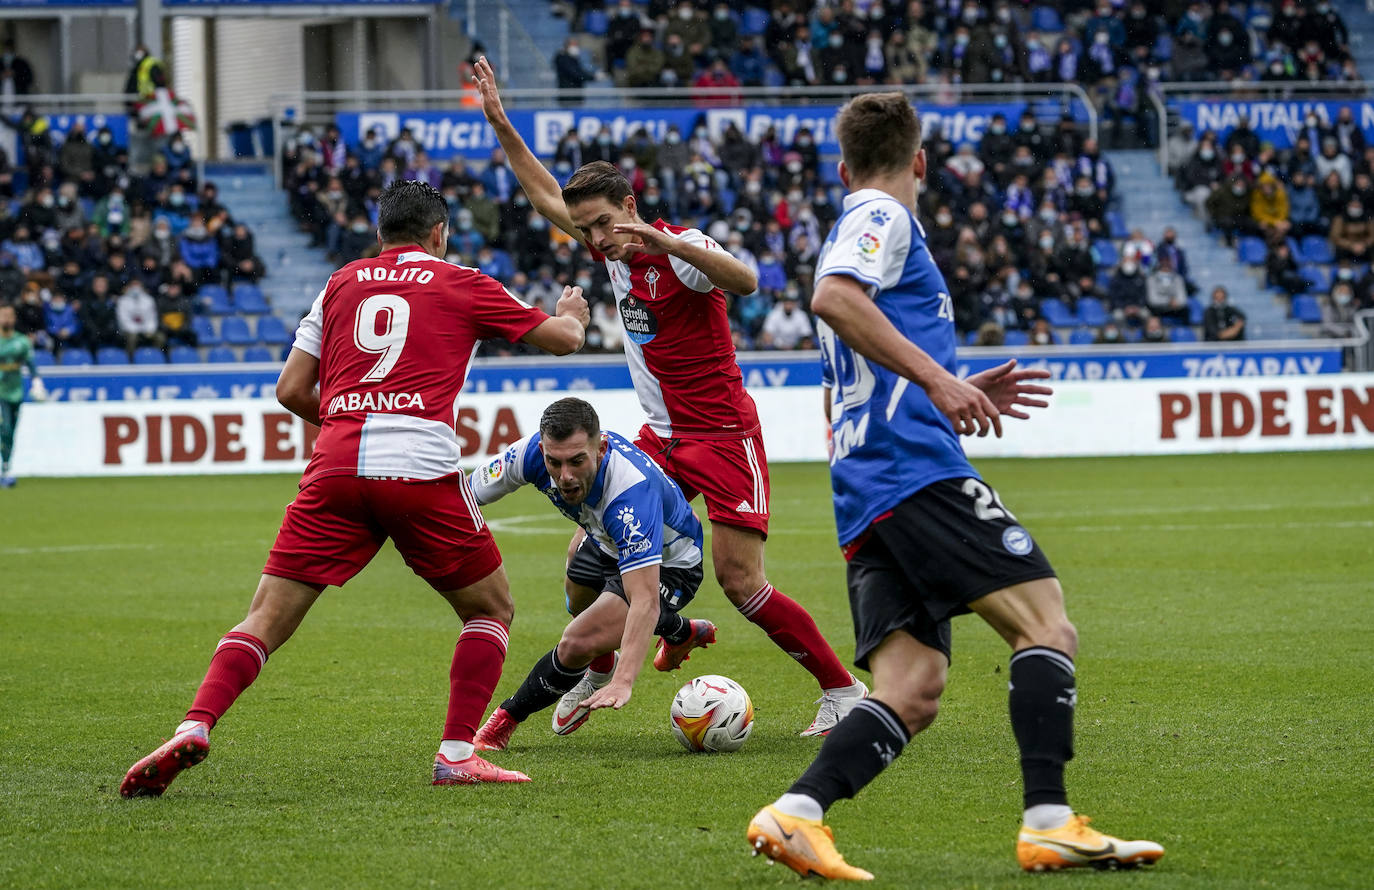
(889, 439)
(634, 512)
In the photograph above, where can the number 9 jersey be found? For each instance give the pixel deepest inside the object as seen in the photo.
(888, 439)
(395, 336)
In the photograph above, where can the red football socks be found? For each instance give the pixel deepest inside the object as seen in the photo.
(603, 664)
(477, 662)
(237, 660)
(794, 631)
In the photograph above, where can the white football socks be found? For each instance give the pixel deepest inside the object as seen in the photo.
(802, 806)
(188, 724)
(1047, 816)
(454, 750)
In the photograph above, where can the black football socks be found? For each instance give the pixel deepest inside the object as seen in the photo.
(856, 750)
(673, 628)
(547, 682)
(1042, 700)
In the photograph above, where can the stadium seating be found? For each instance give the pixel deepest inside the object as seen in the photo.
(75, 358)
(1056, 313)
(43, 359)
(1320, 276)
(249, 300)
(237, 331)
(1306, 309)
(258, 354)
(754, 22)
(184, 355)
(206, 332)
(217, 299)
(1252, 250)
(111, 355)
(221, 355)
(273, 332)
(1315, 249)
(595, 22)
(1091, 312)
(1183, 334)
(149, 355)
(1081, 337)
(1016, 338)
(1046, 18)
(1105, 254)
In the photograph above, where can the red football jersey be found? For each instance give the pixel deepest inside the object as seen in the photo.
(678, 344)
(395, 336)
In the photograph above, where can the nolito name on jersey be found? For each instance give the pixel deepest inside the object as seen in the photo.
(375, 401)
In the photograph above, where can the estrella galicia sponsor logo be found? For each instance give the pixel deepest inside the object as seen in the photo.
(1017, 541)
(641, 325)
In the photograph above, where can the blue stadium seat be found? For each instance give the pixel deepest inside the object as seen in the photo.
(184, 355)
(1315, 249)
(221, 355)
(970, 338)
(1104, 279)
(75, 358)
(206, 332)
(1183, 334)
(1014, 337)
(1091, 312)
(754, 22)
(272, 331)
(1195, 311)
(248, 299)
(257, 354)
(216, 299)
(1082, 337)
(1320, 276)
(43, 359)
(110, 355)
(237, 331)
(1306, 309)
(1131, 335)
(595, 22)
(1252, 250)
(1105, 253)
(1116, 225)
(1056, 313)
(1045, 18)
(286, 350)
(149, 355)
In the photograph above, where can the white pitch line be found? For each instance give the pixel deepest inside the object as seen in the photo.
(516, 525)
(74, 548)
(1220, 526)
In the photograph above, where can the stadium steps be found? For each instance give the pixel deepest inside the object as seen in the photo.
(1360, 22)
(295, 271)
(1149, 203)
(535, 35)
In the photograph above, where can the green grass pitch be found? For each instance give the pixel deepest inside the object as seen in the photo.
(1225, 703)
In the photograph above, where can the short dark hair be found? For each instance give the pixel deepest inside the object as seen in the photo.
(599, 179)
(407, 210)
(565, 417)
(878, 133)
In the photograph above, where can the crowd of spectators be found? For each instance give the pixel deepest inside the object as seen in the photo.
(1303, 213)
(1021, 224)
(1116, 50)
(94, 255)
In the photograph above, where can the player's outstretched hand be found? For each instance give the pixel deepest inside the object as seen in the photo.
(1007, 388)
(612, 695)
(648, 238)
(485, 78)
(966, 406)
(572, 303)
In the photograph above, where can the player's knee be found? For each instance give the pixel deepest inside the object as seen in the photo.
(576, 649)
(1067, 635)
(918, 709)
(738, 581)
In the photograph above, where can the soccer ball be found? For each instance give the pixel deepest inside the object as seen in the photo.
(712, 713)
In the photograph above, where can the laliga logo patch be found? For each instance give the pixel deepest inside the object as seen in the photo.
(868, 246)
(1017, 541)
(492, 471)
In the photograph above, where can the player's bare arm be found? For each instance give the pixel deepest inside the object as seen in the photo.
(563, 332)
(539, 184)
(725, 272)
(297, 386)
(641, 589)
(1007, 387)
(844, 304)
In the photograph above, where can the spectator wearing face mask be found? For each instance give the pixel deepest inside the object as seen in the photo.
(200, 251)
(1127, 294)
(1221, 321)
(1200, 176)
(1352, 233)
(1228, 208)
(137, 313)
(1281, 270)
(1166, 294)
(1269, 208)
(1304, 210)
(571, 73)
(1339, 309)
(786, 325)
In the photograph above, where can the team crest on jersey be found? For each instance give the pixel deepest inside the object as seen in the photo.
(651, 278)
(868, 246)
(626, 517)
(641, 325)
(879, 217)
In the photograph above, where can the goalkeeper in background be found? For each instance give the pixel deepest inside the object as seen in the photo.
(16, 353)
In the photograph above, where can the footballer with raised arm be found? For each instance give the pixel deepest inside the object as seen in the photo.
(925, 537)
(702, 427)
(378, 364)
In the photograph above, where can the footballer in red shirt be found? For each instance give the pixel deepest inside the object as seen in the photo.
(702, 427)
(388, 341)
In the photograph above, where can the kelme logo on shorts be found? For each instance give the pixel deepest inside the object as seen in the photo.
(1017, 541)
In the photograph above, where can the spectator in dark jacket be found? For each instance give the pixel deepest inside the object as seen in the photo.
(99, 324)
(1221, 320)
